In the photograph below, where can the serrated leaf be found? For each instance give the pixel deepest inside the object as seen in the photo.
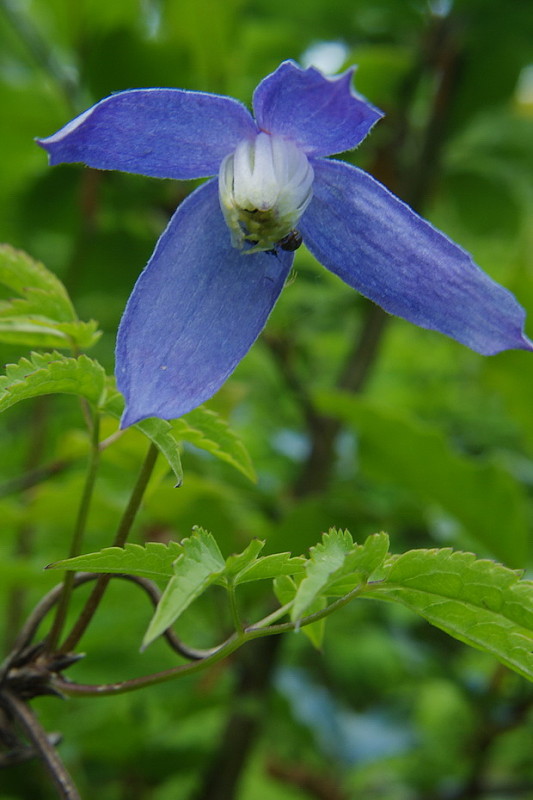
(235, 564)
(246, 566)
(82, 334)
(361, 564)
(41, 292)
(271, 566)
(159, 431)
(43, 332)
(337, 566)
(285, 589)
(474, 600)
(200, 564)
(326, 562)
(208, 431)
(42, 315)
(153, 560)
(51, 373)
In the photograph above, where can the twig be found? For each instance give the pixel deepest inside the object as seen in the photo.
(233, 643)
(31, 625)
(43, 747)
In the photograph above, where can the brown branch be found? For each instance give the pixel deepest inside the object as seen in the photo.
(42, 745)
(28, 631)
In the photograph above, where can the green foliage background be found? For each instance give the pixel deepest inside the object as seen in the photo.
(436, 449)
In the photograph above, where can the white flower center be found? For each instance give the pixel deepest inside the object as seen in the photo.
(264, 188)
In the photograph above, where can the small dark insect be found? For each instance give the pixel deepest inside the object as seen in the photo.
(291, 241)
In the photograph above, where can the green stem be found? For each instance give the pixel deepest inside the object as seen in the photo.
(232, 644)
(121, 536)
(277, 614)
(79, 531)
(234, 609)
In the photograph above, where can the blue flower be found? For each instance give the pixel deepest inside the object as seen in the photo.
(220, 265)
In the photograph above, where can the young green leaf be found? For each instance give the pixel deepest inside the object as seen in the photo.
(246, 566)
(478, 602)
(326, 561)
(154, 560)
(52, 373)
(337, 566)
(360, 565)
(271, 566)
(199, 566)
(206, 430)
(285, 589)
(235, 564)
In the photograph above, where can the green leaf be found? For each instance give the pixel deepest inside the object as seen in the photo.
(360, 565)
(246, 566)
(41, 292)
(327, 561)
(82, 334)
(42, 332)
(153, 560)
(199, 566)
(206, 430)
(159, 431)
(271, 566)
(235, 564)
(52, 373)
(42, 315)
(337, 566)
(285, 589)
(483, 496)
(474, 600)
(200, 427)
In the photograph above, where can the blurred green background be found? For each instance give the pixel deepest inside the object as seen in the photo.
(435, 445)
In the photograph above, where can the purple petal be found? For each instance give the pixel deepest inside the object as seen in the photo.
(322, 115)
(194, 313)
(165, 133)
(379, 246)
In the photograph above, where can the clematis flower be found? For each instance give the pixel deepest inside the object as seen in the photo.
(220, 265)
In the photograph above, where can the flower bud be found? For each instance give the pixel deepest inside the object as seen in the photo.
(264, 188)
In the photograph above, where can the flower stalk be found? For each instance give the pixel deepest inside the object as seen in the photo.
(121, 536)
(79, 531)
